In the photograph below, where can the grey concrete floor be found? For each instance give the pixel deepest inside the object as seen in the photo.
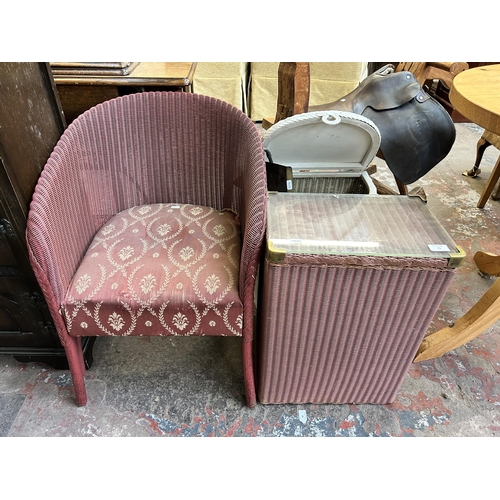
(194, 386)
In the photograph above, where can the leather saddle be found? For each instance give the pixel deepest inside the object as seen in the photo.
(416, 131)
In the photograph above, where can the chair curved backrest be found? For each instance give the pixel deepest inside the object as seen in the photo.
(146, 148)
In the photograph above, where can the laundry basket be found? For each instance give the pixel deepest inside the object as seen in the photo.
(350, 286)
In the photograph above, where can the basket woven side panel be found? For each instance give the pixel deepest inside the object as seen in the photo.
(331, 185)
(343, 334)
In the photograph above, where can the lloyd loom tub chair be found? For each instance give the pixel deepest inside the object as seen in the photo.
(148, 219)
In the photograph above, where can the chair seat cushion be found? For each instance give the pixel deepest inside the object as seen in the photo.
(160, 269)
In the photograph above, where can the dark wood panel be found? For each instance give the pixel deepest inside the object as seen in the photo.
(31, 122)
(29, 131)
(21, 320)
(75, 99)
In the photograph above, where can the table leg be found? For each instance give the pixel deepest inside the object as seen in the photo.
(495, 174)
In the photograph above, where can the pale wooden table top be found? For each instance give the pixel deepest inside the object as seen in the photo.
(475, 93)
(169, 74)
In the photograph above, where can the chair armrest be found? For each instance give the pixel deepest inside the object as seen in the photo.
(444, 71)
(252, 206)
(59, 231)
(453, 67)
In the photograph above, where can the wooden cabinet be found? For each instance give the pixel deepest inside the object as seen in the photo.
(31, 122)
(83, 85)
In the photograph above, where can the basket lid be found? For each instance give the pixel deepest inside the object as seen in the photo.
(335, 140)
(351, 224)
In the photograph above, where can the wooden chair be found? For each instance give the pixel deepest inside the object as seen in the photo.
(149, 219)
(427, 71)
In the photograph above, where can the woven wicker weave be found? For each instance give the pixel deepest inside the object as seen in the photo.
(333, 334)
(351, 185)
(152, 147)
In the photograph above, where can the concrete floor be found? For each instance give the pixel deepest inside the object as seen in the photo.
(194, 386)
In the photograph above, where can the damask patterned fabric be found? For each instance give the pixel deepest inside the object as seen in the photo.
(160, 269)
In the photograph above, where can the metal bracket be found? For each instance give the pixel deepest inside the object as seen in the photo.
(275, 254)
(456, 259)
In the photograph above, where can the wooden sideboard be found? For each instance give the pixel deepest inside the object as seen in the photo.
(80, 91)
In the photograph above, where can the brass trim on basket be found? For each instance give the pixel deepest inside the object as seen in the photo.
(275, 254)
(456, 259)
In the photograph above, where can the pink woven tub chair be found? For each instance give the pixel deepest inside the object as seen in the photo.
(148, 219)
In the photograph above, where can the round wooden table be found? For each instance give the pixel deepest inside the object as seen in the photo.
(475, 94)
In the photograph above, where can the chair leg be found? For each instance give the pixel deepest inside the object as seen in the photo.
(496, 195)
(248, 374)
(403, 189)
(482, 144)
(73, 349)
(490, 184)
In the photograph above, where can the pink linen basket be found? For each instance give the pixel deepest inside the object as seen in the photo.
(350, 286)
